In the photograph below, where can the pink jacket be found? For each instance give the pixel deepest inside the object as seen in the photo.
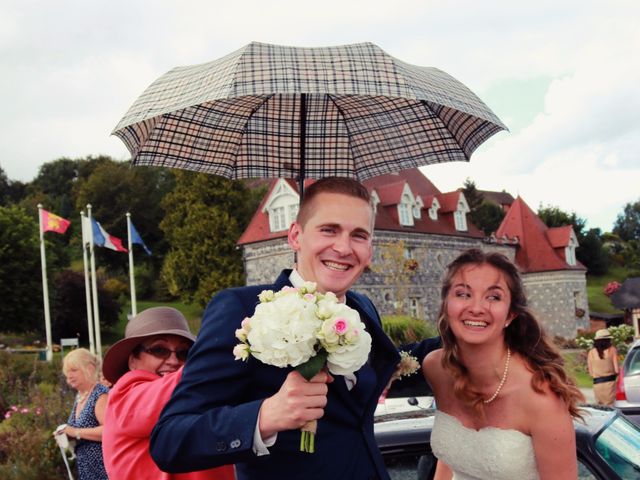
(133, 408)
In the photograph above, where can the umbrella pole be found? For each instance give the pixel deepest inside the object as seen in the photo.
(303, 136)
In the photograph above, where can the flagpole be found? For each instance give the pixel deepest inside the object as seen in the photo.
(87, 286)
(94, 287)
(132, 280)
(45, 288)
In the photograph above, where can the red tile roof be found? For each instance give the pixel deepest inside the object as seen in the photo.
(534, 252)
(559, 236)
(389, 189)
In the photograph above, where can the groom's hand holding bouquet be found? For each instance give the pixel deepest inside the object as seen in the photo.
(313, 332)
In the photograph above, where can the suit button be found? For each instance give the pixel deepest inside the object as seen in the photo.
(235, 443)
(221, 446)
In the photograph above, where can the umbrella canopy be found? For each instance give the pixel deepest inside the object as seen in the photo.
(276, 111)
(627, 297)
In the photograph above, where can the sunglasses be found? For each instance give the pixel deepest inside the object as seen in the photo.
(164, 353)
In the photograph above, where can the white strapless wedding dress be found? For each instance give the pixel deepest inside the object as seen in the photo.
(487, 454)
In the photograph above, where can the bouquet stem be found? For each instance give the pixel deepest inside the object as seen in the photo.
(308, 437)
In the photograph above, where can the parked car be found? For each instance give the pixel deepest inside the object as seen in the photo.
(628, 385)
(608, 445)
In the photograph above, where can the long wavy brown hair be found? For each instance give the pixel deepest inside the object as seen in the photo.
(524, 335)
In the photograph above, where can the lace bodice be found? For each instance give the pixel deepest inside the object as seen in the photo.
(489, 453)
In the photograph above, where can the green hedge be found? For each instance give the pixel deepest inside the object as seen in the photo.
(403, 329)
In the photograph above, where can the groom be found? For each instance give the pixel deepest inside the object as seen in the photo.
(248, 413)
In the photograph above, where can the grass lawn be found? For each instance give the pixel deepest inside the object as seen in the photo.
(576, 367)
(598, 301)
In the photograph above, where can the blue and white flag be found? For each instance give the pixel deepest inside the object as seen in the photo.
(136, 238)
(104, 239)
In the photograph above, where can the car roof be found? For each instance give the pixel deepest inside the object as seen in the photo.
(420, 422)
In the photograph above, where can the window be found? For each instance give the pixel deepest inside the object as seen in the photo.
(414, 307)
(570, 250)
(404, 213)
(375, 200)
(461, 221)
(433, 210)
(277, 219)
(417, 208)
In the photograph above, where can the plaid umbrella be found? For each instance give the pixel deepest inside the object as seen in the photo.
(275, 111)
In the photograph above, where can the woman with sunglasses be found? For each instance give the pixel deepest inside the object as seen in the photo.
(145, 367)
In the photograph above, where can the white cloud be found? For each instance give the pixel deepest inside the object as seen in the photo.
(67, 82)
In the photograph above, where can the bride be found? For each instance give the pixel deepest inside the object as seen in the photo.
(505, 403)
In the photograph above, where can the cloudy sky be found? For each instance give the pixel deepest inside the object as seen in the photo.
(563, 75)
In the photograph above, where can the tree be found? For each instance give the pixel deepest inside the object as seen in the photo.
(396, 270)
(554, 217)
(487, 216)
(113, 189)
(69, 306)
(484, 214)
(472, 195)
(627, 224)
(206, 215)
(590, 252)
(20, 275)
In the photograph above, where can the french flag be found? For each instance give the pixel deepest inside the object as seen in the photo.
(103, 239)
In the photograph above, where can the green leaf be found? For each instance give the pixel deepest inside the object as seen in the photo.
(312, 366)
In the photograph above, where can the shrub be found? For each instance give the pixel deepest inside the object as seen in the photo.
(34, 400)
(622, 337)
(403, 329)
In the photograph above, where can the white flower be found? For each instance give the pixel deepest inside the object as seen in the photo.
(241, 351)
(266, 296)
(283, 331)
(344, 337)
(349, 358)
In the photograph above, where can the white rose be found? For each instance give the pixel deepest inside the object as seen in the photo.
(349, 358)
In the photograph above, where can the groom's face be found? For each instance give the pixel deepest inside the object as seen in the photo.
(334, 245)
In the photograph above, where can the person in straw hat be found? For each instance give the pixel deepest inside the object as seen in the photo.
(145, 366)
(602, 361)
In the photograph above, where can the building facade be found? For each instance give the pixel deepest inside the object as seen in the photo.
(418, 232)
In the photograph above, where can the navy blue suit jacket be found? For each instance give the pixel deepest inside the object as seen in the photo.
(211, 417)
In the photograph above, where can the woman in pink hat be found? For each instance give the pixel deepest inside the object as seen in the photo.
(145, 367)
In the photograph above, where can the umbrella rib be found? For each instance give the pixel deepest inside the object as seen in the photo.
(346, 126)
(266, 98)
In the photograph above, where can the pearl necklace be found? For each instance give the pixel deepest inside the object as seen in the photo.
(504, 378)
(83, 397)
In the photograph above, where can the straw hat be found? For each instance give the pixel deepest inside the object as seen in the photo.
(601, 334)
(150, 322)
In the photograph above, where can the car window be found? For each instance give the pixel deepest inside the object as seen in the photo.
(411, 467)
(632, 365)
(584, 473)
(619, 445)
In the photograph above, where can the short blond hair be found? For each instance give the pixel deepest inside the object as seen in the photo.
(83, 359)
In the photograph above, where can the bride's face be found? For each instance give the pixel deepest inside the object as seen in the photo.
(478, 304)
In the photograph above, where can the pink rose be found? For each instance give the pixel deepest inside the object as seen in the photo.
(340, 326)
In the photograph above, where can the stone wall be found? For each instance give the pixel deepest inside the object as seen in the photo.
(553, 296)
(556, 298)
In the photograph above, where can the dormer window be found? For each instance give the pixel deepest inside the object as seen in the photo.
(460, 215)
(417, 208)
(570, 250)
(405, 207)
(281, 207)
(433, 210)
(375, 200)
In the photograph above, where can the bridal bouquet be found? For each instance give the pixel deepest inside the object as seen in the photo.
(304, 329)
